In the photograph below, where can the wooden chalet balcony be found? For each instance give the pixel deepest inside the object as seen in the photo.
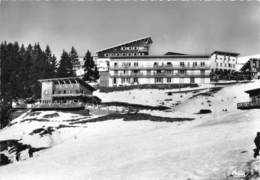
(248, 105)
(47, 106)
(70, 95)
(158, 67)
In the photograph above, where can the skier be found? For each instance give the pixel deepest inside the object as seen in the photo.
(257, 144)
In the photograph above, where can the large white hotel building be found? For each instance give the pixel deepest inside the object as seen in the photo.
(131, 64)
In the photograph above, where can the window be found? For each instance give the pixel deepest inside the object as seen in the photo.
(128, 80)
(135, 71)
(135, 64)
(182, 64)
(115, 64)
(123, 80)
(135, 80)
(202, 64)
(148, 72)
(182, 71)
(217, 64)
(114, 80)
(124, 71)
(158, 80)
(194, 64)
(192, 80)
(122, 48)
(124, 54)
(169, 64)
(105, 54)
(116, 72)
(169, 80)
(202, 72)
(168, 72)
(155, 64)
(158, 72)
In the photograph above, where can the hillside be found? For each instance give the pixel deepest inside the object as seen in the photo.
(72, 146)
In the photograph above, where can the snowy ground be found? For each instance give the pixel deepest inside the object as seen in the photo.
(206, 148)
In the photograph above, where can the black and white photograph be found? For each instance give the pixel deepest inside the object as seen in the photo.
(129, 90)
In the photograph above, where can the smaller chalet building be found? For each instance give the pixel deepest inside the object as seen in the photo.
(70, 92)
(254, 102)
(252, 67)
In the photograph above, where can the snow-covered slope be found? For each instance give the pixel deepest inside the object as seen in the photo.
(205, 148)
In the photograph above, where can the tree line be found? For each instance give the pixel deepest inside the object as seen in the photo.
(22, 66)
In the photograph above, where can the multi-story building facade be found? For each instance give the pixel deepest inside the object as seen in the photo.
(220, 60)
(131, 64)
(159, 70)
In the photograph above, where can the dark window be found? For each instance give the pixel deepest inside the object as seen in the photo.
(169, 80)
(158, 80)
(114, 80)
(192, 80)
(182, 64)
(135, 80)
(182, 71)
(169, 64)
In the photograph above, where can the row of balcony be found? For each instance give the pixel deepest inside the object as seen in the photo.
(158, 67)
(160, 75)
(248, 105)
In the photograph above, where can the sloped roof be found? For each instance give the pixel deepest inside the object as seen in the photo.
(253, 90)
(68, 79)
(148, 38)
(174, 53)
(225, 53)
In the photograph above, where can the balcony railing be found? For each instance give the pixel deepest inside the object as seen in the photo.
(70, 94)
(58, 105)
(248, 105)
(159, 67)
(159, 75)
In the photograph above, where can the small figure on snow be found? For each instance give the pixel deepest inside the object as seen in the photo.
(257, 144)
(30, 152)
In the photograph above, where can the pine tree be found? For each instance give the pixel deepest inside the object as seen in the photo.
(90, 68)
(65, 66)
(51, 61)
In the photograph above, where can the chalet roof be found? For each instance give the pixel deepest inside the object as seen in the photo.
(68, 80)
(225, 53)
(174, 53)
(148, 39)
(246, 64)
(253, 91)
(160, 56)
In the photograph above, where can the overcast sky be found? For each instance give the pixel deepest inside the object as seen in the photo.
(186, 27)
